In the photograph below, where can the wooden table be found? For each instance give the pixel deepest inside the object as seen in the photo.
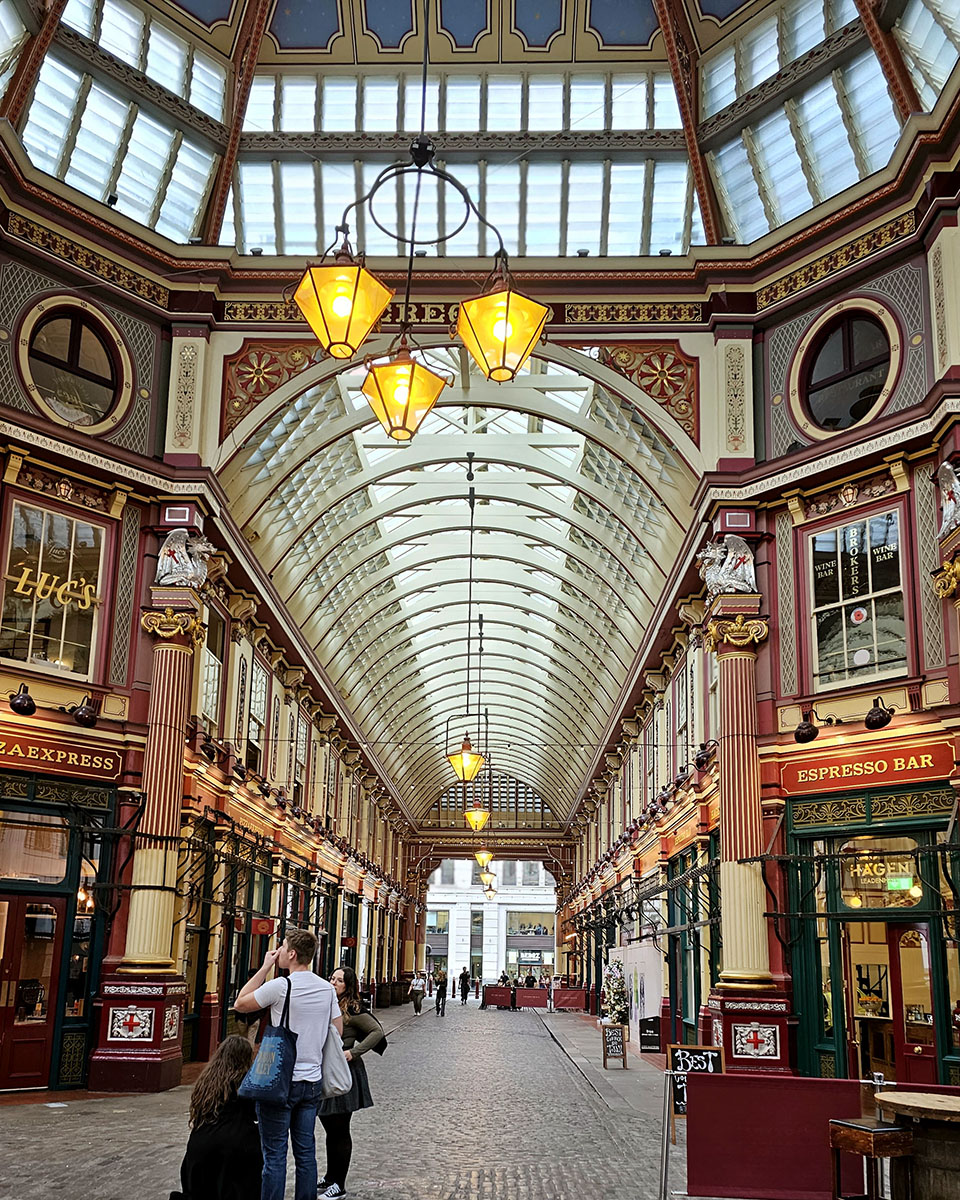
(936, 1143)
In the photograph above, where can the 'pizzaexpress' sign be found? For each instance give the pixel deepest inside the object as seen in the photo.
(25, 753)
(846, 770)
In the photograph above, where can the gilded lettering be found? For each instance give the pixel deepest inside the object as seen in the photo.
(42, 584)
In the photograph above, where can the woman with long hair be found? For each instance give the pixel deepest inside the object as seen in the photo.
(361, 1032)
(223, 1159)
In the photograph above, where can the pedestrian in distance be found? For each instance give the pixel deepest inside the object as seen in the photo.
(441, 985)
(223, 1160)
(361, 1032)
(418, 985)
(313, 1009)
(464, 985)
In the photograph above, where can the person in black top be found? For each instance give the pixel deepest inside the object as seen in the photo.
(464, 985)
(223, 1159)
(441, 982)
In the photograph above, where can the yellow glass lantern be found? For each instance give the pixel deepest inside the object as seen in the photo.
(484, 858)
(341, 303)
(500, 329)
(487, 878)
(489, 892)
(477, 816)
(466, 763)
(401, 391)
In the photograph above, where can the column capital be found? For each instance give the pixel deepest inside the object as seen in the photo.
(738, 632)
(947, 579)
(167, 625)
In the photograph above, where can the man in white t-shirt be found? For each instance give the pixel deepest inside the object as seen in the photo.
(313, 1009)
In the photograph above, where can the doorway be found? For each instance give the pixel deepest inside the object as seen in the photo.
(888, 992)
(31, 941)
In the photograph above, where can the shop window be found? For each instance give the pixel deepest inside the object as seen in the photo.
(509, 874)
(476, 921)
(532, 924)
(213, 659)
(879, 873)
(73, 368)
(51, 590)
(438, 920)
(300, 761)
(446, 872)
(531, 874)
(256, 729)
(859, 627)
(33, 847)
(849, 364)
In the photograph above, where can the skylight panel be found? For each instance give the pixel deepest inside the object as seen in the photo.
(805, 26)
(588, 102)
(339, 112)
(744, 208)
(825, 136)
(189, 186)
(374, 240)
(380, 99)
(624, 221)
(462, 103)
(545, 102)
(629, 102)
(298, 207)
(428, 208)
(503, 202)
(121, 31)
(874, 117)
(786, 184)
(759, 53)
(208, 85)
(467, 241)
(666, 110)
(144, 168)
(228, 229)
(412, 103)
(503, 103)
(718, 81)
(81, 15)
(259, 116)
(48, 121)
(298, 103)
(544, 188)
(668, 205)
(339, 190)
(101, 126)
(255, 185)
(167, 58)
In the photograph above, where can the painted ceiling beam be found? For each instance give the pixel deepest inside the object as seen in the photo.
(20, 88)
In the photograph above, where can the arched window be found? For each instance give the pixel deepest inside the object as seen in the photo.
(849, 364)
(73, 367)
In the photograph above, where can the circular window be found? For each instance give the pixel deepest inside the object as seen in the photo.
(75, 364)
(848, 368)
(843, 371)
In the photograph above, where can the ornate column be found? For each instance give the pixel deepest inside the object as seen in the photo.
(749, 1010)
(141, 1003)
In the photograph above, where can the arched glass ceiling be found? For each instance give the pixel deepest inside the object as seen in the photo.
(581, 494)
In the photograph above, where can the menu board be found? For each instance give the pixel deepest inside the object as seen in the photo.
(614, 1043)
(687, 1060)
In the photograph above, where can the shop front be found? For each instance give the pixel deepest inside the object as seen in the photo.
(875, 882)
(55, 836)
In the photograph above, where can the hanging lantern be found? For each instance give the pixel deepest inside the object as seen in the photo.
(466, 763)
(476, 816)
(341, 303)
(489, 892)
(484, 858)
(501, 326)
(401, 391)
(487, 878)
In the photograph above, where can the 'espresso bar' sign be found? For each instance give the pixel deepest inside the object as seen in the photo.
(845, 770)
(25, 753)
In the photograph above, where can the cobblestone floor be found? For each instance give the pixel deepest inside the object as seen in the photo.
(472, 1106)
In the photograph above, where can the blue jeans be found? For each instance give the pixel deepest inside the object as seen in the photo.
(298, 1118)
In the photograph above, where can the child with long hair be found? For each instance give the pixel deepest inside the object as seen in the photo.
(223, 1159)
(361, 1032)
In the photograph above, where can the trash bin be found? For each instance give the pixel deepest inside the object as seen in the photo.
(383, 995)
(397, 992)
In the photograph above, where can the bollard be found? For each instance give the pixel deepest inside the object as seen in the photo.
(476, 989)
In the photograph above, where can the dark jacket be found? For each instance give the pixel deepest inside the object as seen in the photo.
(361, 1032)
(223, 1159)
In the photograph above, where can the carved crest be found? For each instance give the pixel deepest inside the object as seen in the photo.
(949, 498)
(727, 565)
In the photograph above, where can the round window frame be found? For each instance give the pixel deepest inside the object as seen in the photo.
(802, 364)
(112, 338)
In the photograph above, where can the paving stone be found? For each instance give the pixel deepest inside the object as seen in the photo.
(476, 1105)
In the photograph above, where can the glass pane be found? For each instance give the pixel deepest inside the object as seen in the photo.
(669, 205)
(208, 85)
(545, 102)
(873, 114)
(98, 142)
(339, 104)
(915, 988)
(35, 975)
(781, 167)
(48, 120)
(33, 847)
(167, 59)
(413, 103)
(719, 81)
(759, 54)
(298, 103)
(121, 31)
(188, 186)
(743, 208)
(380, 104)
(629, 101)
(587, 102)
(624, 227)
(258, 206)
(463, 103)
(869, 341)
(298, 197)
(259, 117)
(503, 202)
(503, 103)
(666, 110)
(877, 872)
(585, 187)
(543, 208)
(829, 360)
(144, 167)
(93, 354)
(53, 338)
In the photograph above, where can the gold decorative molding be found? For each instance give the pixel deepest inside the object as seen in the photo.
(741, 631)
(947, 579)
(169, 624)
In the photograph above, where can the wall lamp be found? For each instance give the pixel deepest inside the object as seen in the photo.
(22, 703)
(701, 760)
(84, 713)
(880, 716)
(807, 731)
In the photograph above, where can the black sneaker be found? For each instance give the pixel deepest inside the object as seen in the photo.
(333, 1192)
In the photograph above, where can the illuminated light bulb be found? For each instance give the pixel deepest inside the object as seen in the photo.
(502, 329)
(916, 891)
(342, 305)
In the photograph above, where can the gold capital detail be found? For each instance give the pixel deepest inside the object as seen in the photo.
(169, 624)
(947, 579)
(740, 631)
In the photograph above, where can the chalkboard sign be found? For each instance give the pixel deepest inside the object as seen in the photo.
(614, 1043)
(686, 1060)
(650, 1035)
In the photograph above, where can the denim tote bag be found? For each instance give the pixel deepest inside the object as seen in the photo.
(269, 1079)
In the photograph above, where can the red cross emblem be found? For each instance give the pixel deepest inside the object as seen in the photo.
(131, 1022)
(739, 561)
(755, 1040)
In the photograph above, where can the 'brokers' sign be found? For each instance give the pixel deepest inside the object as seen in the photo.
(845, 770)
(23, 752)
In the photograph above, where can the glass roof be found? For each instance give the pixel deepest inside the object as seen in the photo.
(567, 157)
(368, 544)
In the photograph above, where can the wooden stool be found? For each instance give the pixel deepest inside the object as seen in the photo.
(872, 1139)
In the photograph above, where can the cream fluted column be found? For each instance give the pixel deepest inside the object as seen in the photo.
(178, 632)
(732, 633)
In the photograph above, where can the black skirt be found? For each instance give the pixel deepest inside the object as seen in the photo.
(223, 1159)
(358, 1097)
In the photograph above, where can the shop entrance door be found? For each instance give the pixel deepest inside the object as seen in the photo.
(31, 939)
(889, 999)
